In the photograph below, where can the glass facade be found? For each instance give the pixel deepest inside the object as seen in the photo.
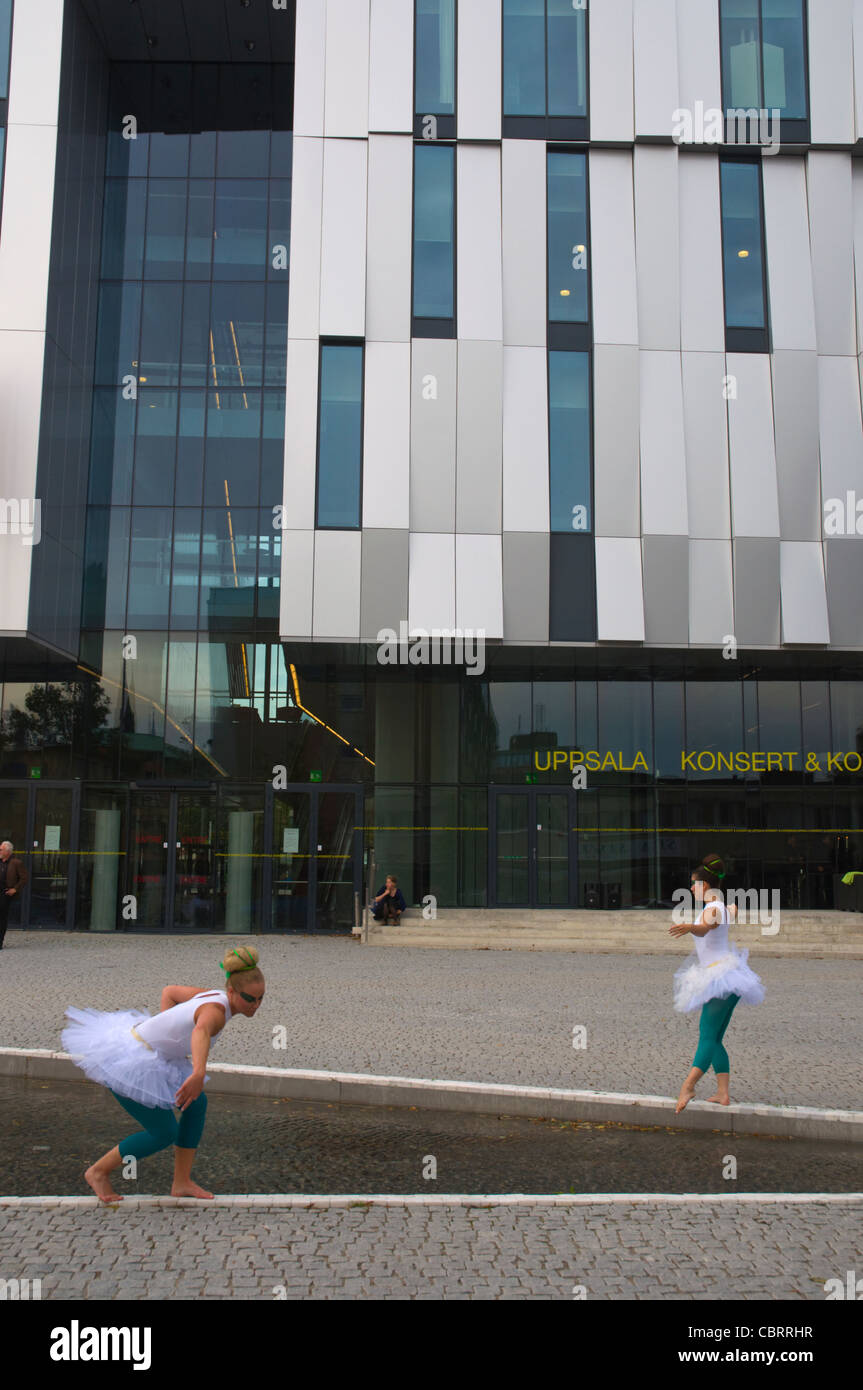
(743, 256)
(434, 239)
(545, 68)
(435, 58)
(764, 60)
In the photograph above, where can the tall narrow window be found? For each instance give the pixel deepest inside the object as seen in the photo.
(572, 578)
(5, 56)
(545, 69)
(434, 242)
(434, 68)
(340, 436)
(568, 261)
(746, 328)
(764, 61)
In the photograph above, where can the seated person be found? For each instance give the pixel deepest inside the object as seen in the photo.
(389, 904)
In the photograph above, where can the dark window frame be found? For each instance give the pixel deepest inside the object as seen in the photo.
(549, 128)
(746, 339)
(577, 337)
(446, 123)
(433, 327)
(335, 341)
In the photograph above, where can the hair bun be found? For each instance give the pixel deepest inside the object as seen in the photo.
(240, 958)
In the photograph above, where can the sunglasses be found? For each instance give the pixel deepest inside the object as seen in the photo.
(250, 998)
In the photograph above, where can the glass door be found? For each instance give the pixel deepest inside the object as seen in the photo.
(291, 864)
(152, 847)
(193, 861)
(532, 860)
(52, 864)
(335, 858)
(315, 858)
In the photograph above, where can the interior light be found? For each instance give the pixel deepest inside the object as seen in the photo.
(743, 255)
(564, 292)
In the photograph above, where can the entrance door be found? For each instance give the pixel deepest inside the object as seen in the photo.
(532, 858)
(316, 860)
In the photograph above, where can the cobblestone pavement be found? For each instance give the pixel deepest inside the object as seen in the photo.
(700, 1251)
(461, 1015)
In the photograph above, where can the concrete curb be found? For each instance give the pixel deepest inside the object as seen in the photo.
(507, 1199)
(483, 1098)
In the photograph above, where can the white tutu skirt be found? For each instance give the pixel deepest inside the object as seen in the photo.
(106, 1050)
(695, 984)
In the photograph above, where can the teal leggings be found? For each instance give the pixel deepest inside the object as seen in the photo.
(161, 1128)
(715, 1018)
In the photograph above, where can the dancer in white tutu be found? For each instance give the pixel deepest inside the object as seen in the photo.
(152, 1064)
(714, 978)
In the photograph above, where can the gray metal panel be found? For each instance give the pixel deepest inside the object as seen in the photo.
(843, 560)
(525, 438)
(478, 251)
(617, 488)
(619, 589)
(756, 591)
(655, 65)
(295, 592)
(795, 419)
(479, 585)
(711, 598)
(804, 595)
(663, 452)
(343, 238)
(336, 613)
(524, 241)
(346, 103)
(479, 467)
(391, 53)
(705, 427)
(657, 246)
(702, 302)
(310, 68)
(786, 226)
(304, 303)
(384, 585)
(525, 586)
(433, 434)
(479, 65)
(841, 432)
(698, 54)
(831, 226)
(388, 268)
(431, 581)
(386, 435)
(665, 576)
(612, 245)
(752, 447)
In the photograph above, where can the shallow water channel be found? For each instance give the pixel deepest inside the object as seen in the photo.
(54, 1130)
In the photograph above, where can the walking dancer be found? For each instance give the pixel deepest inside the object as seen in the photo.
(714, 977)
(151, 1064)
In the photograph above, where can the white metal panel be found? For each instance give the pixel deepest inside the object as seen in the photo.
(433, 433)
(21, 359)
(857, 206)
(387, 436)
(698, 56)
(804, 595)
(479, 288)
(524, 241)
(616, 408)
(663, 455)
(310, 68)
(34, 74)
(752, 447)
(479, 584)
(657, 246)
(388, 268)
(479, 456)
(346, 105)
(655, 65)
(343, 239)
(525, 439)
(304, 300)
(610, 54)
(857, 19)
(301, 433)
(337, 585)
(711, 592)
(840, 428)
(612, 245)
(789, 258)
(25, 233)
(295, 591)
(619, 590)
(705, 427)
(431, 583)
(702, 303)
(831, 228)
(831, 72)
(479, 63)
(391, 65)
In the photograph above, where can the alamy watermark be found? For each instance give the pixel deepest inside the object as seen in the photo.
(442, 646)
(21, 516)
(750, 126)
(753, 905)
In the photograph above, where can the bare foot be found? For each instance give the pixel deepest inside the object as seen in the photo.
(720, 1100)
(189, 1189)
(101, 1185)
(687, 1093)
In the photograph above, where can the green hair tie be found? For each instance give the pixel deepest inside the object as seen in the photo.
(242, 968)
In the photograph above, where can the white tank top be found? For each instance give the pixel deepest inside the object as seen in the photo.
(714, 946)
(170, 1032)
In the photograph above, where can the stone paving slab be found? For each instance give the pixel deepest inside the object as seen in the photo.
(490, 1016)
(650, 1249)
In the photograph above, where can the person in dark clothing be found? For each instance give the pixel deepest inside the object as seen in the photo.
(13, 876)
(389, 904)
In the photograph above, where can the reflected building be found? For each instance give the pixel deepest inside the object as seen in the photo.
(320, 319)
